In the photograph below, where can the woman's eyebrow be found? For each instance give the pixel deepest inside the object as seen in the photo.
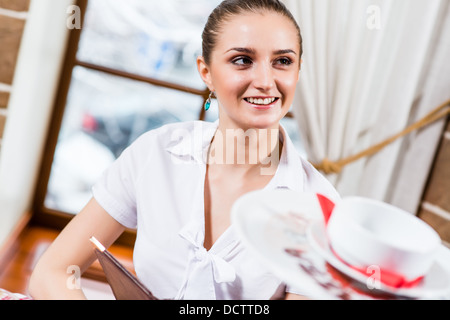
(284, 51)
(242, 50)
(252, 51)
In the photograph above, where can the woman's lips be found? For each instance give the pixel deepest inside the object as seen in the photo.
(261, 102)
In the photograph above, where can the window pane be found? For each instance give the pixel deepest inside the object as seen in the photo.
(104, 114)
(159, 39)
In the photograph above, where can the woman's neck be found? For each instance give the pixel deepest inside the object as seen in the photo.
(248, 150)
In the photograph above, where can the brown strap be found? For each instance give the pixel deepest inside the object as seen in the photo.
(328, 166)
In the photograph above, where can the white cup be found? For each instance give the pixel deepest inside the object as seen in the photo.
(365, 232)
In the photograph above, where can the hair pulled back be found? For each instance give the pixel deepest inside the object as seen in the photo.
(229, 8)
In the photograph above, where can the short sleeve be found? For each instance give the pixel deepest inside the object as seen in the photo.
(115, 191)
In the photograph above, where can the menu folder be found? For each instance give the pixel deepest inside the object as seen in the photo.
(124, 285)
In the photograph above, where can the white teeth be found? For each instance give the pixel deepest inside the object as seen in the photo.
(261, 101)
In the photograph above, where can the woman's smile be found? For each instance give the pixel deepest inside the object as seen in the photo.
(262, 102)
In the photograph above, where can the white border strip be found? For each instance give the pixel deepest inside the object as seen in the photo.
(436, 210)
(5, 87)
(97, 244)
(447, 135)
(3, 112)
(21, 15)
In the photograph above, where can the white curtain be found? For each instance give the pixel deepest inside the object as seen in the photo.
(368, 69)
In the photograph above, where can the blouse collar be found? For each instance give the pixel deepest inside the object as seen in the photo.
(191, 141)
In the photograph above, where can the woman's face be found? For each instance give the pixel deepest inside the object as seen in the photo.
(254, 70)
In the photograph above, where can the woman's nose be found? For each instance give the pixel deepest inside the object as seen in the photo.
(263, 78)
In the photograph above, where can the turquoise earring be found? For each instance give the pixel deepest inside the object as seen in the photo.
(208, 101)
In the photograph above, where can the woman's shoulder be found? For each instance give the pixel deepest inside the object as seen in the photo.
(170, 129)
(188, 126)
(172, 134)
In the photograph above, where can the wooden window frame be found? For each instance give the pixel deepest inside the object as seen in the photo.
(54, 218)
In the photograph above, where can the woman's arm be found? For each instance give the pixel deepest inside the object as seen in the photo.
(72, 250)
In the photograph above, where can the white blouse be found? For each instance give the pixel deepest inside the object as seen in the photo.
(157, 187)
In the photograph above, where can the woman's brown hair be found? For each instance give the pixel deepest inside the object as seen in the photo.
(228, 8)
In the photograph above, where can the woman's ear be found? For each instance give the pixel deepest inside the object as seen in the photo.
(205, 72)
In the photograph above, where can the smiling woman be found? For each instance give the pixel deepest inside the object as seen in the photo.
(162, 185)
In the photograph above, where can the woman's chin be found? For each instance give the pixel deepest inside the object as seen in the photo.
(263, 123)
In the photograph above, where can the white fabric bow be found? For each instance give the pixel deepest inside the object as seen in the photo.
(204, 269)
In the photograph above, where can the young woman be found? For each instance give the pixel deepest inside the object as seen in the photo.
(176, 184)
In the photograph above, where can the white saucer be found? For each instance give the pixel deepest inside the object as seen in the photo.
(435, 283)
(281, 227)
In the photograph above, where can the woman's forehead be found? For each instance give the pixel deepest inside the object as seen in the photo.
(253, 30)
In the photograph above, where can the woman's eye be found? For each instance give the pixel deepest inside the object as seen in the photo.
(242, 61)
(284, 61)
